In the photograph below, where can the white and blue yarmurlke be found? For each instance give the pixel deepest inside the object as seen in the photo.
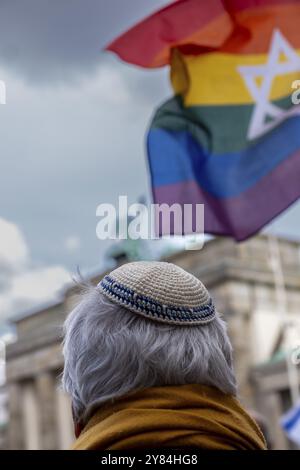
(160, 291)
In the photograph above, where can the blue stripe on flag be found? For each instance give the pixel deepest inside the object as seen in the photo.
(175, 156)
(290, 422)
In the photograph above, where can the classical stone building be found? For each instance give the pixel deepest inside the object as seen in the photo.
(242, 284)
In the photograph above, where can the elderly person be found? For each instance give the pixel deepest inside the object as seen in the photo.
(148, 364)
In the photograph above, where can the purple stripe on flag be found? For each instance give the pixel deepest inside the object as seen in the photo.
(244, 215)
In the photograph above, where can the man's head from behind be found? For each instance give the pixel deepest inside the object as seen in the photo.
(146, 324)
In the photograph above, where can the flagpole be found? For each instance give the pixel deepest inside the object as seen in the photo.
(276, 265)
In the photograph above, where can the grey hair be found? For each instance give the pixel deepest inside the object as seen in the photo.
(110, 351)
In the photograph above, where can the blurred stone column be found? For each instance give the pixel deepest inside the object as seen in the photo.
(64, 420)
(269, 404)
(239, 330)
(46, 390)
(273, 411)
(30, 416)
(16, 425)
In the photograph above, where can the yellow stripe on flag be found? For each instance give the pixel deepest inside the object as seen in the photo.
(215, 79)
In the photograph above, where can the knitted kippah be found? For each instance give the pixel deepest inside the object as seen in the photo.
(159, 291)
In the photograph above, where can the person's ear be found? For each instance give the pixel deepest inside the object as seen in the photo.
(77, 429)
(77, 425)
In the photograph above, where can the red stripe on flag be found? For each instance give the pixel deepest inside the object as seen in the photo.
(143, 44)
(240, 5)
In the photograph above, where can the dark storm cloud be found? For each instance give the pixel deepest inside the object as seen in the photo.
(57, 39)
(66, 102)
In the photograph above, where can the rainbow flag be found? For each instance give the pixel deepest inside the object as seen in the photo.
(230, 136)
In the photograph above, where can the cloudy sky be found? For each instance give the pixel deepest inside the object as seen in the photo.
(71, 137)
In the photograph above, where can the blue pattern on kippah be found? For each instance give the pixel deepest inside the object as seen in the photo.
(152, 308)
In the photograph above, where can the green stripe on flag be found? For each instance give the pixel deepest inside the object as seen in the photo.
(218, 129)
